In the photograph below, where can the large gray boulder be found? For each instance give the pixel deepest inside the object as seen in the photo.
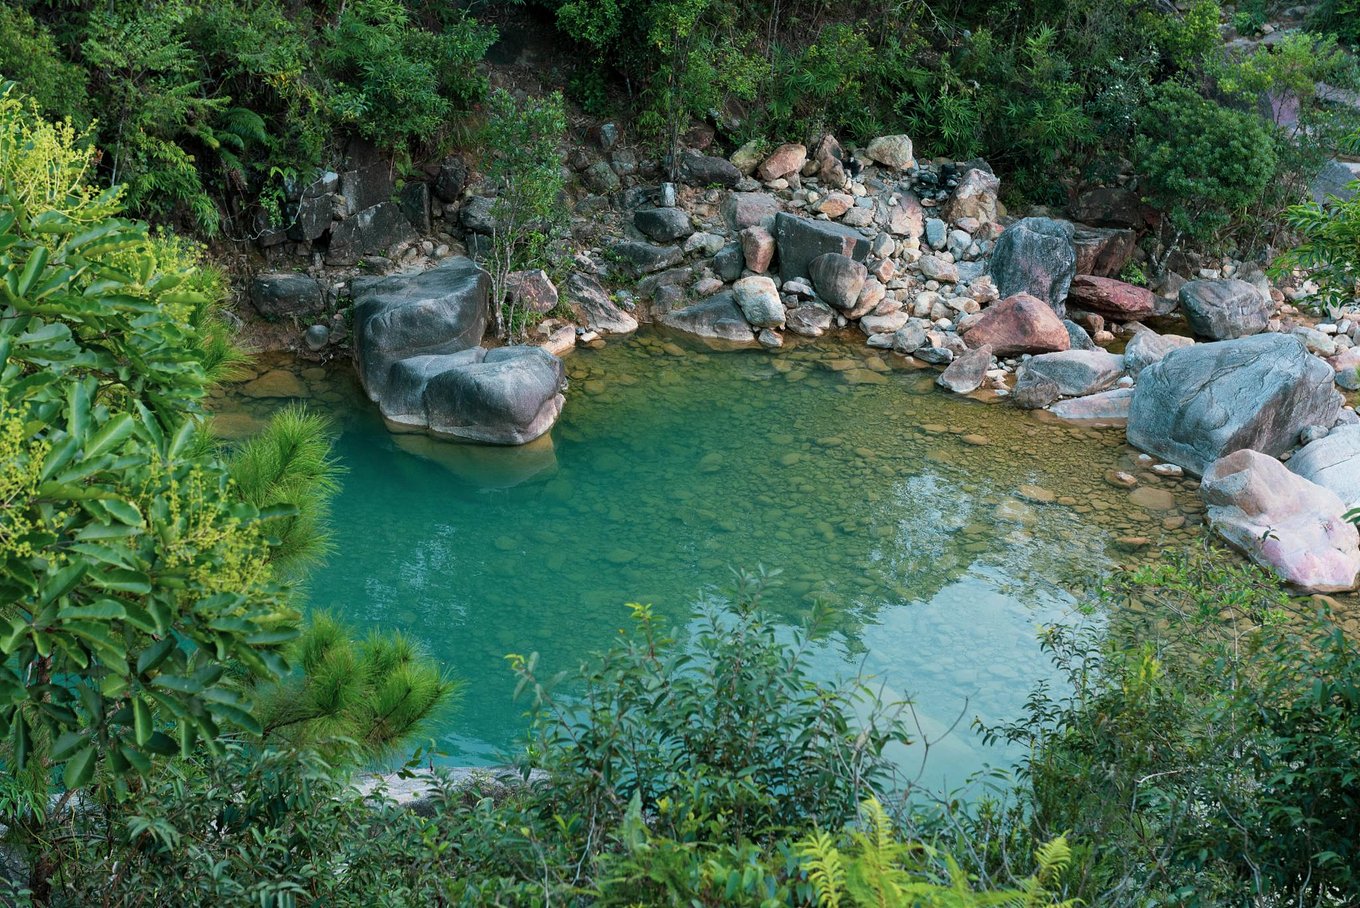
(716, 319)
(509, 396)
(1222, 310)
(703, 170)
(1282, 521)
(644, 258)
(1199, 403)
(283, 295)
(1078, 372)
(758, 299)
(443, 310)
(416, 346)
(1333, 462)
(663, 225)
(801, 240)
(1035, 256)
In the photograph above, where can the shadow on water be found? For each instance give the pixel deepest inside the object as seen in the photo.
(942, 532)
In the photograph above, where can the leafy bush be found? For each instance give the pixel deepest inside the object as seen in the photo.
(397, 84)
(1337, 17)
(29, 56)
(1203, 164)
(1329, 245)
(1208, 753)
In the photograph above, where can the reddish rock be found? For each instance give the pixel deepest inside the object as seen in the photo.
(836, 204)
(532, 290)
(830, 157)
(1019, 324)
(785, 160)
(1120, 301)
(1103, 251)
(757, 244)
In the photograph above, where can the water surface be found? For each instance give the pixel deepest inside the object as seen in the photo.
(943, 532)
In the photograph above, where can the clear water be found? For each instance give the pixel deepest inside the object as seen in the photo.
(944, 531)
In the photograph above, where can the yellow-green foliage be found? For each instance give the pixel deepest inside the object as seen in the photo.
(131, 572)
(878, 870)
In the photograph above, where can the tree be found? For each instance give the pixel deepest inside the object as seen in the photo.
(132, 573)
(525, 169)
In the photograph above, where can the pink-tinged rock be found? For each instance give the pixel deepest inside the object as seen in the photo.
(891, 151)
(1108, 296)
(1103, 251)
(830, 158)
(884, 269)
(868, 299)
(907, 218)
(1107, 406)
(1346, 365)
(757, 244)
(1019, 324)
(560, 342)
(974, 198)
(836, 204)
(966, 373)
(1282, 521)
(785, 159)
(532, 290)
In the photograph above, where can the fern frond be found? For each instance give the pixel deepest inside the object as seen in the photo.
(825, 868)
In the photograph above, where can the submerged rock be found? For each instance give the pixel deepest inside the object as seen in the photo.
(1078, 372)
(1203, 402)
(1282, 521)
(1107, 406)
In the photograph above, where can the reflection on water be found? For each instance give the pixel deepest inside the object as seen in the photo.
(942, 531)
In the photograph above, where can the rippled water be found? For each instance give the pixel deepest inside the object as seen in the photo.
(943, 531)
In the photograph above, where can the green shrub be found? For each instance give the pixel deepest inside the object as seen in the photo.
(1203, 164)
(1329, 245)
(1337, 17)
(29, 57)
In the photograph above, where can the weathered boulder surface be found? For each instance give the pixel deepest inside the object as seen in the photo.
(443, 310)
(891, 151)
(715, 319)
(1225, 309)
(1078, 372)
(749, 209)
(966, 373)
(281, 295)
(1200, 403)
(1282, 521)
(1333, 462)
(1106, 406)
(595, 308)
(758, 299)
(1035, 256)
(1111, 297)
(1148, 347)
(838, 279)
(784, 160)
(532, 290)
(644, 258)
(1034, 391)
(416, 349)
(663, 225)
(373, 231)
(801, 240)
(702, 170)
(1102, 251)
(1019, 324)
(974, 197)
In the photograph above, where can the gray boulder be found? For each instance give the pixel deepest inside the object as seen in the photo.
(373, 231)
(1202, 402)
(596, 309)
(508, 396)
(283, 295)
(702, 170)
(436, 312)
(1035, 256)
(966, 373)
(809, 319)
(1034, 391)
(477, 214)
(663, 225)
(1078, 372)
(716, 319)
(758, 299)
(644, 258)
(729, 261)
(451, 180)
(414, 202)
(1148, 347)
(1333, 462)
(1077, 337)
(801, 240)
(838, 279)
(749, 209)
(1222, 310)
(1106, 406)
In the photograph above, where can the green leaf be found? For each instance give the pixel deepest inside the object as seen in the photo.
(80, 768)
(113, 433)
(141, 721)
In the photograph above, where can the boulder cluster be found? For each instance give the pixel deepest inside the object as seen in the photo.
(920, 259)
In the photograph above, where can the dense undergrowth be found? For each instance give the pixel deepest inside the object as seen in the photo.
(215, 114)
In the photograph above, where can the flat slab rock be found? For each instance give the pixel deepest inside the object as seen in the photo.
(1333, 462)
(1282, 521)
(716, 320)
